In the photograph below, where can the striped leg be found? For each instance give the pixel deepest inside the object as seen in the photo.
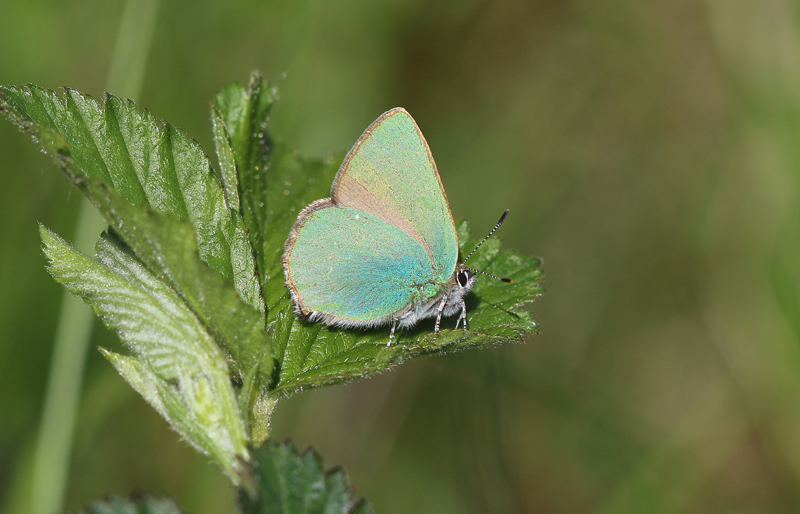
(391, 334)
(462, 316)
(439, 313)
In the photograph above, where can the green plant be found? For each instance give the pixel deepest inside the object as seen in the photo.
(188, 274)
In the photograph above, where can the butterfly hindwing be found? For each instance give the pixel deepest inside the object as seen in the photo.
(351, 266)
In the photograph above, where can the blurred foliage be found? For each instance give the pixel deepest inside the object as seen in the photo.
(646, 149)
(139, 504)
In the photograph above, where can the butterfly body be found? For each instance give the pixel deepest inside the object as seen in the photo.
(383, 248)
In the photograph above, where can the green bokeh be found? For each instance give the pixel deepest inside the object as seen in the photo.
(647, 150)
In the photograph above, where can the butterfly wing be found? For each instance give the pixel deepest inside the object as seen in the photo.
(391, 175)
(349, 267)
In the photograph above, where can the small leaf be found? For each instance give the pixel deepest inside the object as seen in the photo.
(240, 118)
(155, 187)
(140, 504)
(292, 483)
(177, 366)
(227, 163)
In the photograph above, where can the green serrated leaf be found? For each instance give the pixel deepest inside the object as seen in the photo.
(291, 483)
(241, 116)
(168, 248)
(177, 366)
(140, 504)
(147, 161)
(227, 162)
(133, 167)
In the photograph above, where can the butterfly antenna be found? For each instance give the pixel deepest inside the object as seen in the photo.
(502, 219)
(490, 275)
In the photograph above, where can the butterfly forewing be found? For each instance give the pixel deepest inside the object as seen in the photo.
(390, 174)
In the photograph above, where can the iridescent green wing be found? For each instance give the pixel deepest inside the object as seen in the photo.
(350, 265)
(390, 174)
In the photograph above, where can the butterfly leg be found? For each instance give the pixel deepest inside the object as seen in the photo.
(439, 312)
(462, 316)
(391, 333)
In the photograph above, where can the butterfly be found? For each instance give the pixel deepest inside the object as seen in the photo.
(383, 248)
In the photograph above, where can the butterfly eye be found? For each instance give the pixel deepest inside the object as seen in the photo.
(462, 277)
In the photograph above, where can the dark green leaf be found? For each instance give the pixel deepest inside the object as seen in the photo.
(227, 162)
(292, 483)
(240, 119)
(140, 504)
(147, 161)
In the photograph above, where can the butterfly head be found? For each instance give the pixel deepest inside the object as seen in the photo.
(465, 277)
(457, 288)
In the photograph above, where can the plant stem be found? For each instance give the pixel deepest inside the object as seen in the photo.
(262, 412)
(74, 330)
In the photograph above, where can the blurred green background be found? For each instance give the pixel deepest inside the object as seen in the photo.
(649, 151)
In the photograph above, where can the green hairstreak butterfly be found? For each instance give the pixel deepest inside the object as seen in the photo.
(383, 248)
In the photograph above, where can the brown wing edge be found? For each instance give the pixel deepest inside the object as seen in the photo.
(317, 205)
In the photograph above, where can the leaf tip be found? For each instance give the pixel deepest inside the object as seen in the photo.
(49, 239)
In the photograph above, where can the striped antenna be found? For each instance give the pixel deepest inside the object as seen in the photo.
(490, 275)
(502, 219)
